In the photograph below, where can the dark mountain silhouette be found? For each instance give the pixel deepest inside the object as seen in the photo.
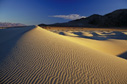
(7, 24)
(116, 18)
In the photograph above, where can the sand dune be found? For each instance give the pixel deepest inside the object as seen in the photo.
(113, 43)
(36, 56)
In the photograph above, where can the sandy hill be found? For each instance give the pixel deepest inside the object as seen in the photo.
(33, 55)
(109, 42)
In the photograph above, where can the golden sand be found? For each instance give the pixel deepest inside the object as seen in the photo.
(36, 56)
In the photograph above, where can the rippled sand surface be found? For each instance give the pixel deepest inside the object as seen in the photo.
(32, 55)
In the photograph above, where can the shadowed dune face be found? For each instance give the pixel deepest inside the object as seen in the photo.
(97, 35)
(123, 55)
(42, 57)
(8, 39)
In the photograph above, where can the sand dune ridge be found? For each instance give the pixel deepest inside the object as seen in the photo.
(39, 56)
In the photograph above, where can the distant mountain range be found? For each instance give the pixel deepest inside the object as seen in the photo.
(116, 18)
(6, 24)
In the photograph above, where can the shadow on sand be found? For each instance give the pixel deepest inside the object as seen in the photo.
(106, 36)
(123, 55)
(8, 42)
(112, 35)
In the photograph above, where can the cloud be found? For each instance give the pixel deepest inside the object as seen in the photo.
(70, 17)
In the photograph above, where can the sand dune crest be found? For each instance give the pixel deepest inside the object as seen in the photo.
(40, 56)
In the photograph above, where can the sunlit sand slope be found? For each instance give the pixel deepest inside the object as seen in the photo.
(110, 42)
(40, 56)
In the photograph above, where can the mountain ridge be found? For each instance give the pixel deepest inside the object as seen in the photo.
(8, 24)
(117, 18)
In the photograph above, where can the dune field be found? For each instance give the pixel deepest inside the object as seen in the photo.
(33, 55)
(109, 42)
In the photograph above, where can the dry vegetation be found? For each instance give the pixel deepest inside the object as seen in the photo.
(83, 28)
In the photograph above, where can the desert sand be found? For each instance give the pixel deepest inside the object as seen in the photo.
(109, 42)
(33, 55)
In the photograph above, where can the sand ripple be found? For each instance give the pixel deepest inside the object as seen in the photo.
(39, 56)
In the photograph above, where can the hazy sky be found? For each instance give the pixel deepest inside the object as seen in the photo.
(53, 11)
